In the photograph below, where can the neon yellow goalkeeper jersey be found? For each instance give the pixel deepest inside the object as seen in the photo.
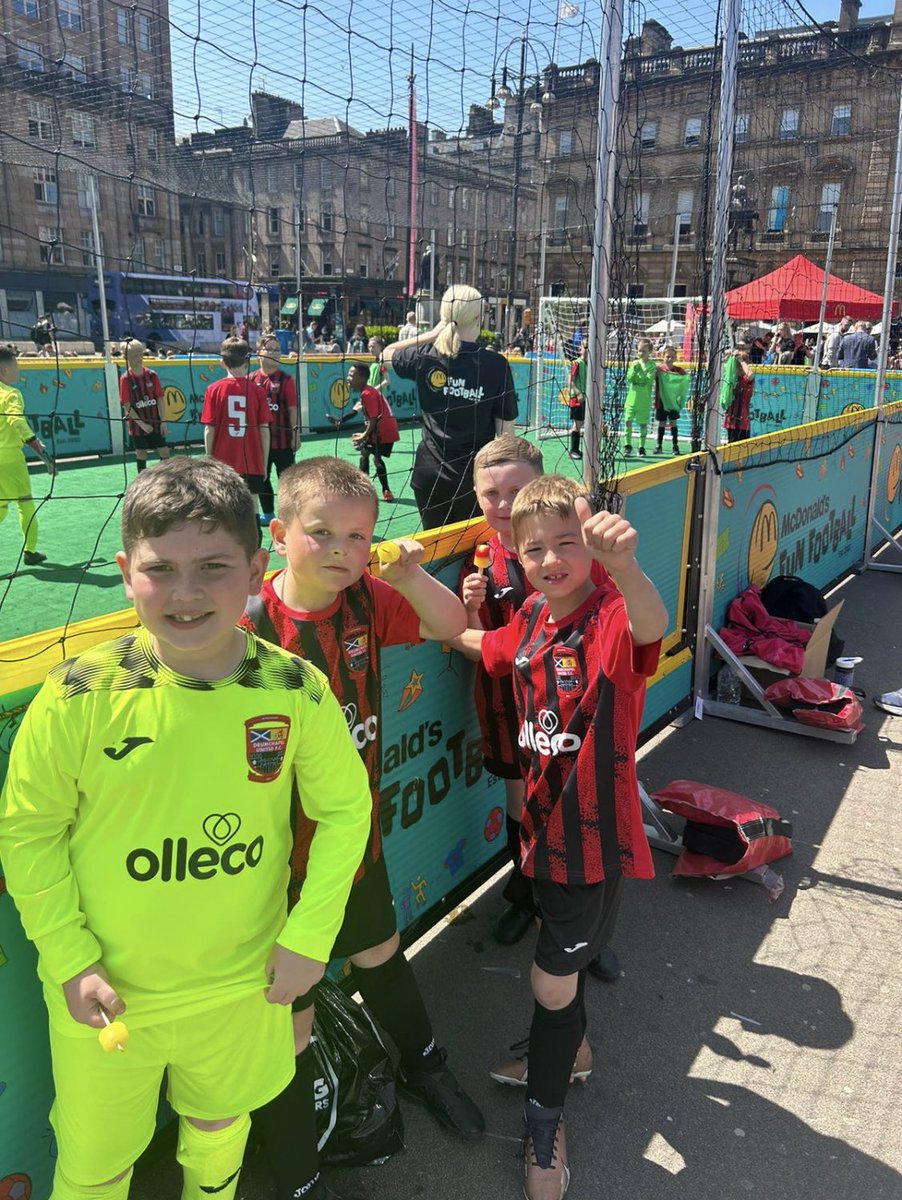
(14, 429)
(146, 824)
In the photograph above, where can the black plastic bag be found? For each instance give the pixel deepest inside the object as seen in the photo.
(357, 1111)
(796, 599)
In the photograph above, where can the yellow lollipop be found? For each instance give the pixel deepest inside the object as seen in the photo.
(388, 552)
(481, 558)
(114, 1035)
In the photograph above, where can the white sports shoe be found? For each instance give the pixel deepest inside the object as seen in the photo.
(890, 702)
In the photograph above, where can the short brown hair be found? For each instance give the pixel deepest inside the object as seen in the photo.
(546, 494)
(235, 352)
(318, 477)
(189, 489)
(508, 449)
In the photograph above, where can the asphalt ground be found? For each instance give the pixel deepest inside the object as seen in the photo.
(749, 1048)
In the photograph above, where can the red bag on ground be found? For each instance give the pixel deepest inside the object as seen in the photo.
(725, 834)
(817, 702)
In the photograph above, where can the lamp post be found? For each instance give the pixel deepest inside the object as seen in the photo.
(522, 89)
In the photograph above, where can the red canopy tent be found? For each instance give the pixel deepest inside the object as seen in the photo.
(793, 293)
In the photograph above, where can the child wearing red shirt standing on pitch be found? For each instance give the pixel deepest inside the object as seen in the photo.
(236, 418)
(281, 396)
(381, 431)
(329, 611)
(141, 396)
(580, 654)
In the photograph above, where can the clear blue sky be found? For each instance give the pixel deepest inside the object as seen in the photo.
(350, 58)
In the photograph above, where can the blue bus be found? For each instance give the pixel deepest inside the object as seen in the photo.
(174, 312)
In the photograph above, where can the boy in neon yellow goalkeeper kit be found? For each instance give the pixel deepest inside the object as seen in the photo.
(145, 830)
(15, 434)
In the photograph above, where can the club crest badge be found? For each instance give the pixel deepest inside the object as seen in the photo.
(265, 743)
(357, 649)
(566, 670)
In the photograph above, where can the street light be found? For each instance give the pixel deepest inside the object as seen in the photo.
(526, 88)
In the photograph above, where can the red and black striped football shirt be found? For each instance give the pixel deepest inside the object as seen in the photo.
(579, 686)
(281, 397)
(344, 642)
(507, 588)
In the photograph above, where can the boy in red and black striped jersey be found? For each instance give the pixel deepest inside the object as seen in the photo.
(580, 654)
(236, 417)
(281, 396)
(491, 598)
(327, 609)
(141, 395)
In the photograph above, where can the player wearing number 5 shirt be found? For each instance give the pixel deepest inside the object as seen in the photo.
(236, 417)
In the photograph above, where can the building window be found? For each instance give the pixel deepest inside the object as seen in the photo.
(199, 224)
(364, 269)
(841, 124)
(144, 84)
(741, 128)
(86, 240)
(693, 133)
(272, 220)
(83, 191)
(159, 253)
(69, 14)
(29, 57)
(684, 211)
(648, 135)
(464, 238)
(201, 263)
(51, 244)
(147, 202)
(152, 145)
(220, 262)
(25, 8)
(451, 192)
(776, 213)
(145, 40)
(363, 180)
(45, 189)
(325, 220)
(640, 216)
(325, 174)
(462, 271)
(789, 124)
(390, 186)
(327, 267)
(123, 27)
(433, 195)
(829, 203)
(390, 229)
(559, 221)
(83, 130)
(272, 177)
(73, 66)
(40, 121)
(565, 141)
(275, 263)
(451, 233)
(298, 176)
(125, 79)
(218, 223)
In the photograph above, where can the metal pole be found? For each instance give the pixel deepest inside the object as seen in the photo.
(431, 275)
(515, 192)
(98, 265)
(675, 253)
(822, 311)
(412, 245)
(299, 271)
(536, 366)
(710, 475)
(607, 123)
(883, 349)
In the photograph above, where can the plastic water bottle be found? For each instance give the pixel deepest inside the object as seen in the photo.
(844, 671)
(729, 686)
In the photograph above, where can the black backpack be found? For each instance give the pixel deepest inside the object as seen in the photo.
(793, 598)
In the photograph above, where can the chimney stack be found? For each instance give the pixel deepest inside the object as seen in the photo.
(848, 14)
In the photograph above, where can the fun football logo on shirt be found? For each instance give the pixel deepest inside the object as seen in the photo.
(265, 740)
(540, 735)
(436, 379)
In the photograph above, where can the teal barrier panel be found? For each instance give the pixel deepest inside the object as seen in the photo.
(658, 514)
(849, 391)
(888, 494)
(803, 513)
(66, 407)
(778, 399)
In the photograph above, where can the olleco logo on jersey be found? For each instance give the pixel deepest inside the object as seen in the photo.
(363, 731)
(540, 735)
(176, 860)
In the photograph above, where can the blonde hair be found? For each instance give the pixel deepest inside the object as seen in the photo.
(461, 305)
(546, 494)
(508, 449)
(318, 477)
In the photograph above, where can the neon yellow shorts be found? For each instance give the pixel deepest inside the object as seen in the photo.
(219, 1064)
(15, 482)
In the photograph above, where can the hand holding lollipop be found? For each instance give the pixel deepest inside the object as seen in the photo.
(114, 1035)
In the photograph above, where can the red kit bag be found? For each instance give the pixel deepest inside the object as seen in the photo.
(725, 833)
(817, 702)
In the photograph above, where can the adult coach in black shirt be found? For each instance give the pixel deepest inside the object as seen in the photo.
(466, 394)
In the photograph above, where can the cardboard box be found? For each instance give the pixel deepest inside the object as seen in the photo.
(814, 664)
